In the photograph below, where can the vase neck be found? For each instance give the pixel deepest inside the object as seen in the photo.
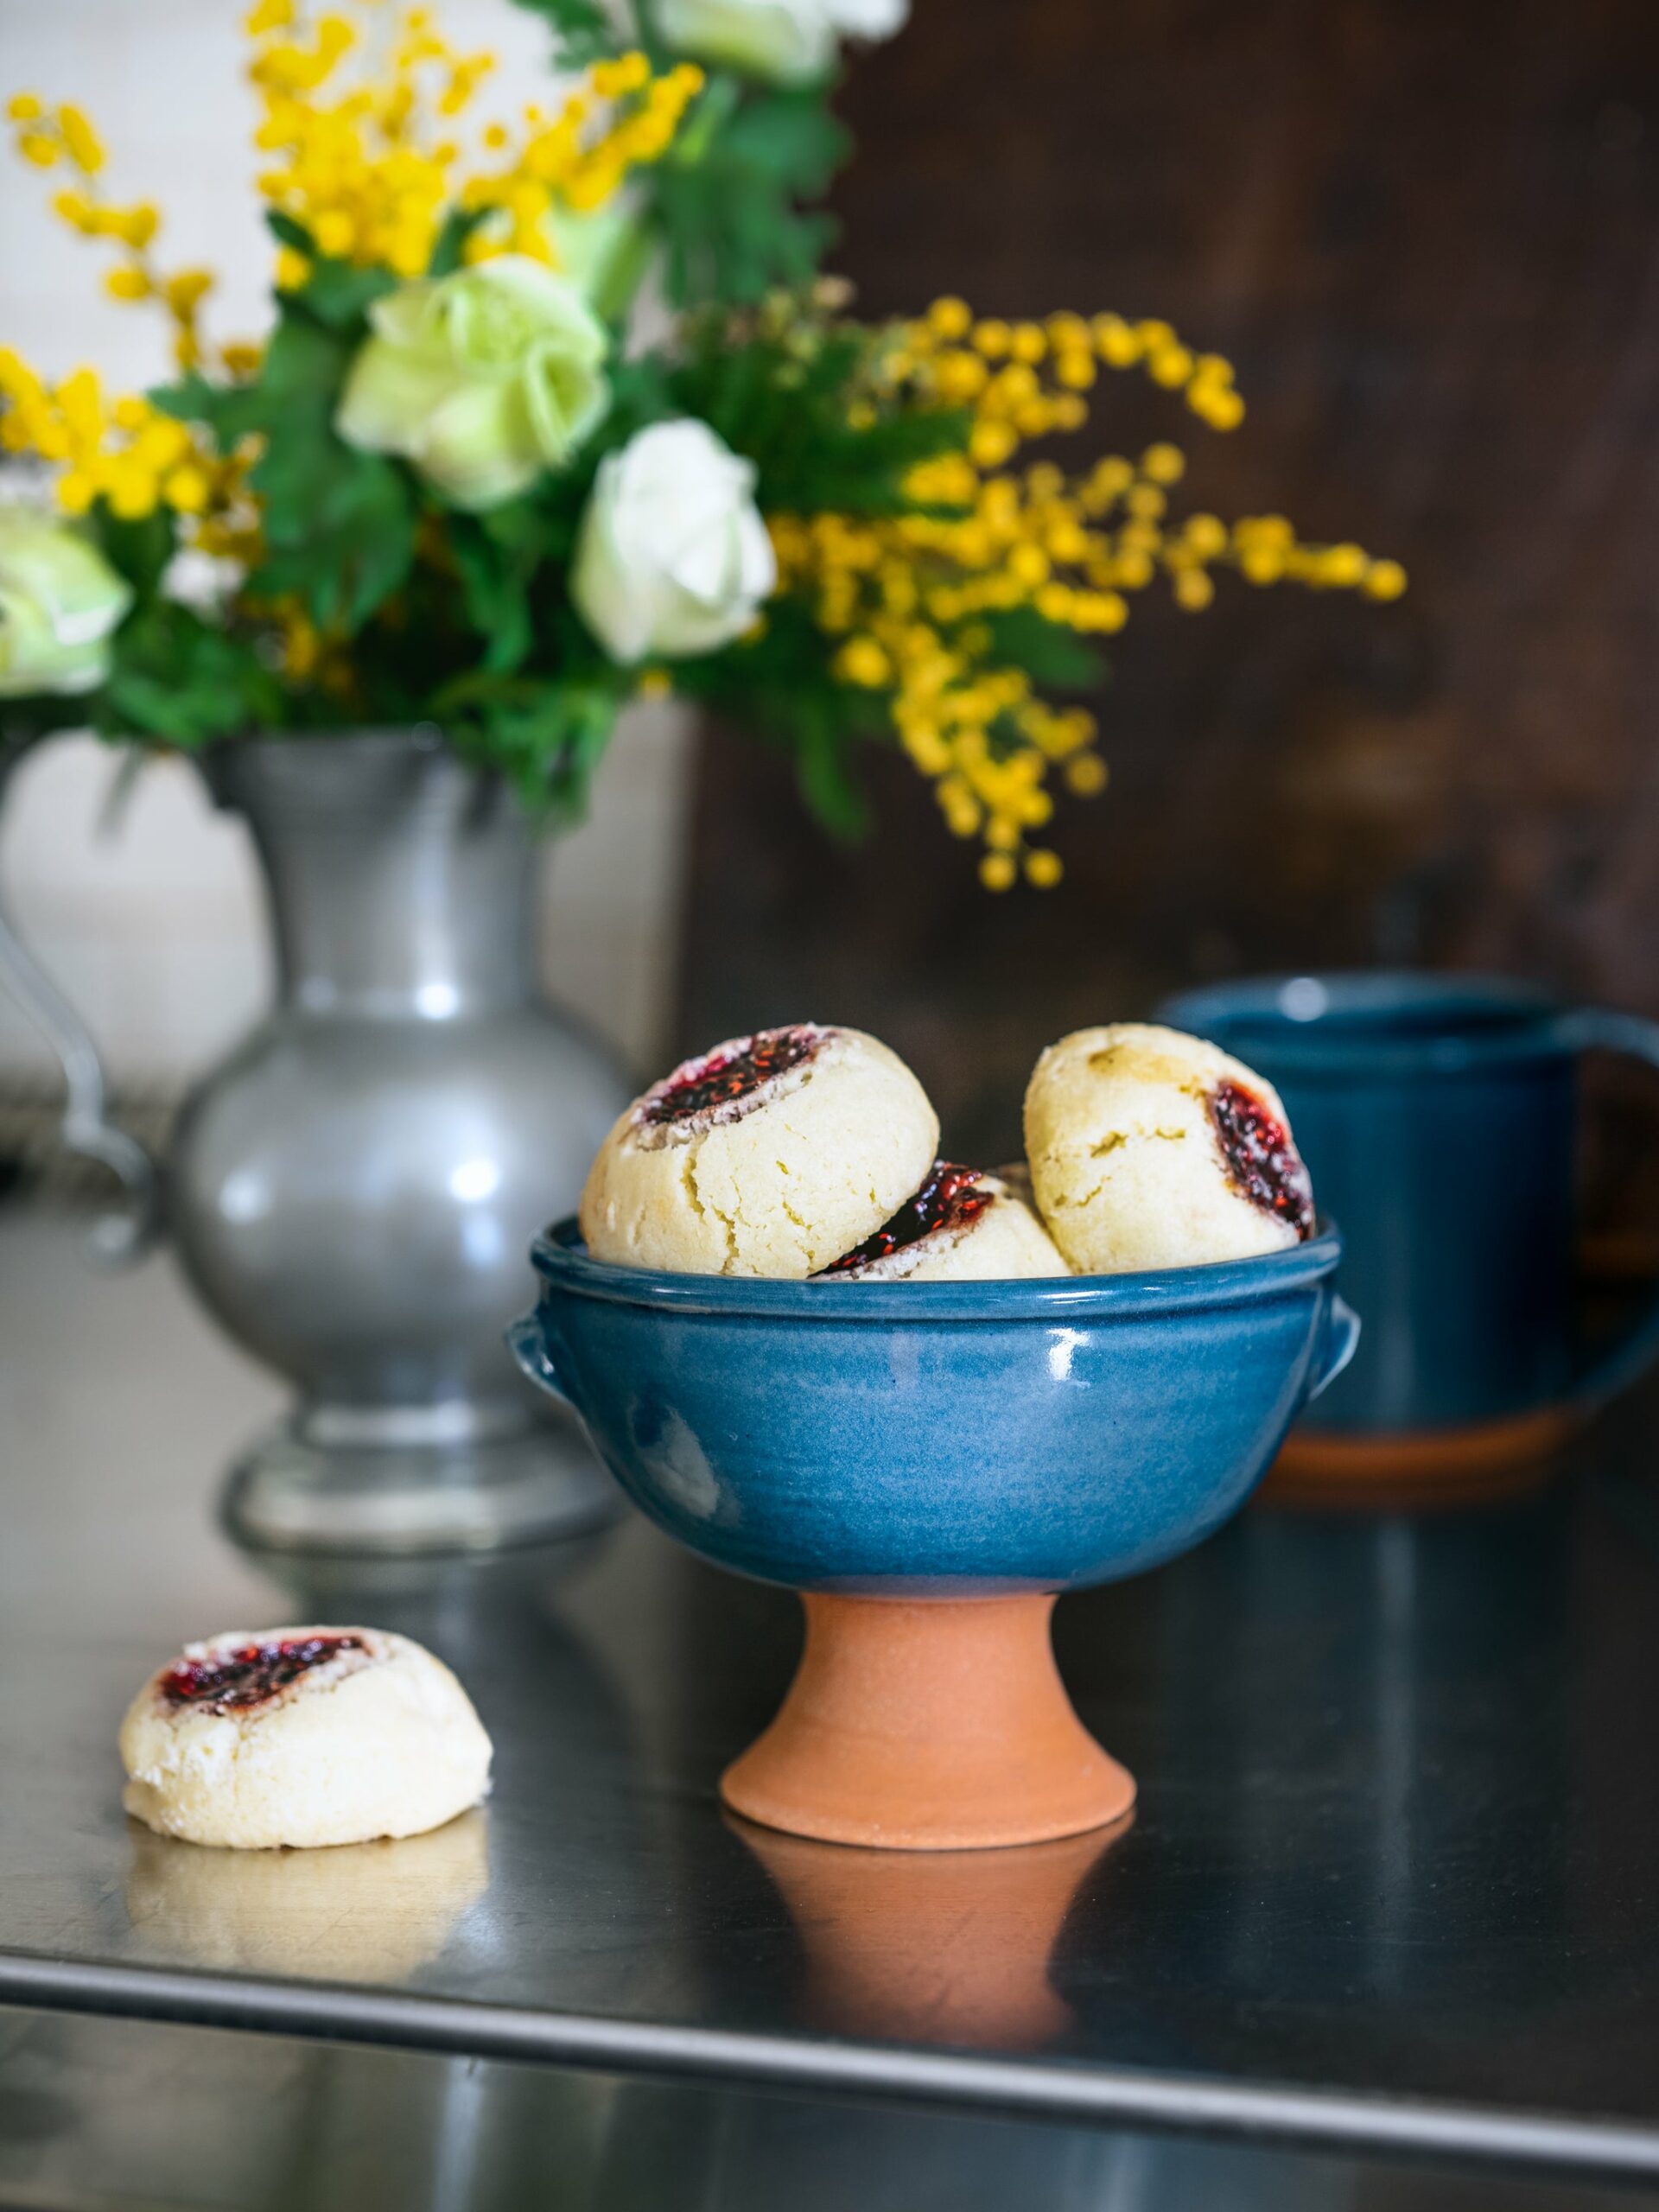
(399, 879)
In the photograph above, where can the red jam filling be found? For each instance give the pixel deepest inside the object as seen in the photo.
(251, 1674)
(721, 1078)
(950, 1198)
(1261, 1158)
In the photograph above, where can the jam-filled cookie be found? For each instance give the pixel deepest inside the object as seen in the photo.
(302, 1736)
(960, 1226)
(771, 1155)
(1152, 1149)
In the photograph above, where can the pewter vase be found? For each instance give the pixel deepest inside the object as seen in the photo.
(352, 1189)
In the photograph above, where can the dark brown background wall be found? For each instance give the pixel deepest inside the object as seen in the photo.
(1427, 234)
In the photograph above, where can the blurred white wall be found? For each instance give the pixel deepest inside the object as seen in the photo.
(157, 931)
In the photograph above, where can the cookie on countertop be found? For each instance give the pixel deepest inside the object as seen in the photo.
(301, 1736)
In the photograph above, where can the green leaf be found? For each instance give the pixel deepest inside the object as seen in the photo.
(192, 399)
(779, 687)
(181, 680)
(582, 28)
(547, 738)
(450, 250)
(783, 401)
(304, 362)
(337, 292)
(287, 232)
(340, 524)
(1050, 653)
(726, 196)
(228, 411)
(823, 773)
(340, 294)
(342, 534)
(495, 590)
(789, 136)
(140, 549)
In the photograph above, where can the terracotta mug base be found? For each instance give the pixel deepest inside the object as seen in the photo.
(1493, 1458)
(937, 1724)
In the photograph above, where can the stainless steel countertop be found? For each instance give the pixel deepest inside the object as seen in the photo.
(1393, 1886)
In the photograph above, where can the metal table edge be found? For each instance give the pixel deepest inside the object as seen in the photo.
(806, 2065)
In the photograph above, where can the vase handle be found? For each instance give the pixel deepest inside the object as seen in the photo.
(85, 1128)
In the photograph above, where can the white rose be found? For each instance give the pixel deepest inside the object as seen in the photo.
(871, 19)
(672, 557)
(785, 41)
(482, 378)
(60, 602)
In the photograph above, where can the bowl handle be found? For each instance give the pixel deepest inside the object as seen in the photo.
(1338, 1343)
(528, 1345)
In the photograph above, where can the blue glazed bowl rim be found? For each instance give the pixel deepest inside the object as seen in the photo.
(1351, 1034)
(560, 1257)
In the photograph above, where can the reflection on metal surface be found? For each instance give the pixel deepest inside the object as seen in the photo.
(96, 2115)
(930, 1947)
(506, 1583)
(1397, 1734)
(1426, 1712)
(373, 1912)
(433, 1492)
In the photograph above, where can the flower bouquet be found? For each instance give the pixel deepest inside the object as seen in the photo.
(446, 489)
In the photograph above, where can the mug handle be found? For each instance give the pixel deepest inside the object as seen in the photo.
(528, 1345)
(1338, 1342)
(1633, 1037)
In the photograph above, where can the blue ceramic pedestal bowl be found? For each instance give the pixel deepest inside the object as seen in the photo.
(928, 1463)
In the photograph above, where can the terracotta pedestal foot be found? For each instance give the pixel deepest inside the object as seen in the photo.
(928, 1724)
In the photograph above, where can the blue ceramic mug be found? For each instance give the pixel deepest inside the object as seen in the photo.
(1436, 1113)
